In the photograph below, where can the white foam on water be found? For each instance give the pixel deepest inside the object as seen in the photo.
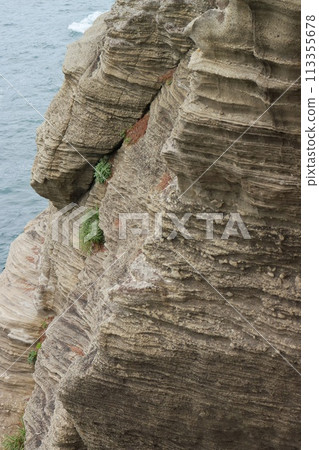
(84, 24)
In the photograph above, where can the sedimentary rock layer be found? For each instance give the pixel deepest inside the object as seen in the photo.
(20, 322)
(174, 343)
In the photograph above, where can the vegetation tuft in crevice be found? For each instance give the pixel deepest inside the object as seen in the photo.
(15, 441)
(32, 357)
(91, 235)
(103, 170)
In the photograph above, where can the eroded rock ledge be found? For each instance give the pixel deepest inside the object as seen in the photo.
(146, 350)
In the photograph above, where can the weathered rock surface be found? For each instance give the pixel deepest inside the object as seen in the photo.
(20, 321)
(181, 343)
(111, 76)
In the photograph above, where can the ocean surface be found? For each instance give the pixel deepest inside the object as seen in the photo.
(33, 39)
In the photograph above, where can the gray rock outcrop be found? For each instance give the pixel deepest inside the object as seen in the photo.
(169, 343)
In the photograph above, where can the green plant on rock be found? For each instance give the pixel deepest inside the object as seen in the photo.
(15, 441)
(32, 357)
(90, 232)
(124, 135)
(46, 322)
(103, 170)
(128, 140)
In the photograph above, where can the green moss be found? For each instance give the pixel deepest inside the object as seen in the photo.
(15, 441)
(103, 170)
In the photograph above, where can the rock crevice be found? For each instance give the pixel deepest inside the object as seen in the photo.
(168, 343)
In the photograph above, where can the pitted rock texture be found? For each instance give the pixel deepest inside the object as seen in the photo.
(174, 343)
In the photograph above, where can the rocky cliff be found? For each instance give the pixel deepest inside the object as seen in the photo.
(165, 343)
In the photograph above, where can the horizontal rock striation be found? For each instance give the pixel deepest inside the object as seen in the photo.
(111, 76)
(20, 321)
(174, 343)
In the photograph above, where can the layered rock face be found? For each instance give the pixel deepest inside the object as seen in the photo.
(171, 343)
(20, 322)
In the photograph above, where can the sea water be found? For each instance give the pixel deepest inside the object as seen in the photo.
(33, 39)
